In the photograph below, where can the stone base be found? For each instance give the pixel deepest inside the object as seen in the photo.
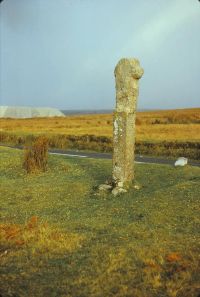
(105, 187)
(114, 189)
(117, 191)
(118, 188)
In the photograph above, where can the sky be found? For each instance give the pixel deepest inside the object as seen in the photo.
(62, 53)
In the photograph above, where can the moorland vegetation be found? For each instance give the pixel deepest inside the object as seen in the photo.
(61, 237)
(169, 133)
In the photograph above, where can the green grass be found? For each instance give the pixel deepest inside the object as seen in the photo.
(60, 237)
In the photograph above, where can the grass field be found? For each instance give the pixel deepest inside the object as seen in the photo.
(60, 237)
(183, 125)
(171, 133)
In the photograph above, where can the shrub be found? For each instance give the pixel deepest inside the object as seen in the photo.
(35, 157)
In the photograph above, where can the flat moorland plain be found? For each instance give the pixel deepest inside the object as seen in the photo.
(153, 125)
(169, 133)
(61, 237)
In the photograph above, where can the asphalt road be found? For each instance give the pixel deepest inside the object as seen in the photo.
(138, 159)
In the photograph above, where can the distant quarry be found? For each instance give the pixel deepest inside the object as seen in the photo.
(29, 112)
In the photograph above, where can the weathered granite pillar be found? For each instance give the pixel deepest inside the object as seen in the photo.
(127, 75)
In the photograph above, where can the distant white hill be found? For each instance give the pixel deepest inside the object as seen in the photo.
(28, 112)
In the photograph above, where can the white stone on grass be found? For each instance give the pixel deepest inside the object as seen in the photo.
(181, 161)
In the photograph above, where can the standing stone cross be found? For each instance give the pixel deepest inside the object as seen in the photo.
(127, 75)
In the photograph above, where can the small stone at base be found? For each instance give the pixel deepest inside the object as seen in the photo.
(116, 191)
(120, 184)
(105, 187)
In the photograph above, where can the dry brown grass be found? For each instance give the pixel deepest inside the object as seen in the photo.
(40, 236)
(35, 157)
(181, 125)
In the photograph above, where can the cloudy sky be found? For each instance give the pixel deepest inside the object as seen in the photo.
(62, 53)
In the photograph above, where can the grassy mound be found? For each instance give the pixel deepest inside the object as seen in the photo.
(60, 237)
